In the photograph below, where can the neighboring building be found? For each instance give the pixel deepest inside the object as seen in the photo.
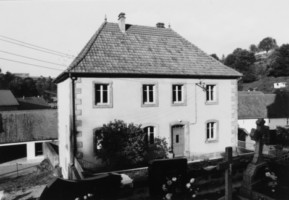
(23, 133)
(280, 85)
(274, 108)
(150, 76)
(7, 101)
(32, 103)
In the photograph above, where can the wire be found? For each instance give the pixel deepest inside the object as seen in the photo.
(65, 54)
(39, 49)
(32, 58)
(30, 64)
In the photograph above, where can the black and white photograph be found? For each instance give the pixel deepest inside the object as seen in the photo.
(144, 100)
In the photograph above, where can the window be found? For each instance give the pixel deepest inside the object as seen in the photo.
(211, 131)
(149, 94)
(150, 132)
(211, 95)
(178, 93)
(102, 96)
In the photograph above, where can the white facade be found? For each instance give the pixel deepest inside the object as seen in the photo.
(126, 105)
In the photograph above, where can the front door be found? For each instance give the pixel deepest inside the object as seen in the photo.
(178, 140)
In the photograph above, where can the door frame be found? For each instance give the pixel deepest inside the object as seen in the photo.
(186, 127)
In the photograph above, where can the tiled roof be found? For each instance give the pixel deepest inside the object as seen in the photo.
(251, 105)
(254, 105)
(145, 50)
(7, 98)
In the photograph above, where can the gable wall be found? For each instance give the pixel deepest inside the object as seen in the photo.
(64, 127)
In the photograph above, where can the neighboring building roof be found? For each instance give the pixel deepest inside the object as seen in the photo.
(30, 103)
(28, 125)
(251, 105)
(254, 105)
(144, 51)
(7, 98)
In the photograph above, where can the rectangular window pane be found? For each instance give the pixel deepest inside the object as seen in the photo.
(97, 94)
(151, 137)
(174, 93)
(144, 93)
(151, 96)
(208, 130)
(207, 93)
(177, 138)
(180, 94)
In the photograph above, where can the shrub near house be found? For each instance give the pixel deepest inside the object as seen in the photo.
(122, 145)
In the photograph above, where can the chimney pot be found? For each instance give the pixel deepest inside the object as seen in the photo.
(121, 22)
(160, 25)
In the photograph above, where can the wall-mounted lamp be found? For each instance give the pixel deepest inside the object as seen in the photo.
(202, 85)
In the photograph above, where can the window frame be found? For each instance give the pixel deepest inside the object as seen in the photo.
(184, 95)
(155, 95)
(109, 103)
(215, 133)
(149, 133)
(215, 94)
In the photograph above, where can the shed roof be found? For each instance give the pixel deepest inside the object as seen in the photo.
(145, 51)
(7, 98)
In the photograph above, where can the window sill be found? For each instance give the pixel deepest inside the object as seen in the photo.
(212, 141)
(149, 105)
(211, 102)
(103, 106)
(179, 104)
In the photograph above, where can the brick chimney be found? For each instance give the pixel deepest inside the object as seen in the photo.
(160, 25)
(121, 22)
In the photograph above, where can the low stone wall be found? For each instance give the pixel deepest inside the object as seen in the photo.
(51, 154)
(208, 180)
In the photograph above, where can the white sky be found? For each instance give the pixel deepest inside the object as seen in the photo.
(216, 26)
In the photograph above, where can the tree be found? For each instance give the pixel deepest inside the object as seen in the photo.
(267, 44)
(253, 48)
(243, 61)
(120, 145)
(215, 56)
(279, 63)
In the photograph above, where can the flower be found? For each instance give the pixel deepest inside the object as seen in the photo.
(188, 185)
(169, 182)
(169, 196)
(193, 196)
(192, 180)
(164, 187)
(174, 179)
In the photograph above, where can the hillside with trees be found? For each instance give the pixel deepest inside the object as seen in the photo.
(262, 65)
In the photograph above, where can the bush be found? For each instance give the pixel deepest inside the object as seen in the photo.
(120, 145)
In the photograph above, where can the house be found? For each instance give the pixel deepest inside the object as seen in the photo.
(7, 101)
(274, 108)
(24, 129)
(280, 85)
(150, 76)
(23, 133)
